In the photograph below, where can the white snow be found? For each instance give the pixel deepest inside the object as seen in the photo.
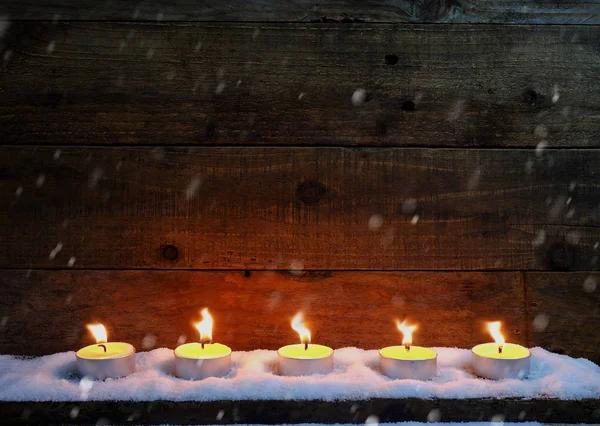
(355, 377)
(492, 423)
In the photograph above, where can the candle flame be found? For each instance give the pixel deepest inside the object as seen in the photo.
(494, 329)
(99, 332)
(300, 328)
(205, 326)
(407, 331)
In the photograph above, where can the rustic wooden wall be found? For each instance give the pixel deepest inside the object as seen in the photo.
(359, 161)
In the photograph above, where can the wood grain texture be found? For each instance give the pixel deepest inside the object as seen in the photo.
(253, 311)
(278, 412)
(299, 208)
(564, 311)
(347, 11)
(293, 84)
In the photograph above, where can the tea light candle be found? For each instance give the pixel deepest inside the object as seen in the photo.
(407, 361)
(500, 360)
(305, 358)
(105, 359)
(199, 360)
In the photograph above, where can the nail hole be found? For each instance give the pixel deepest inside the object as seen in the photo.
(391, 59)
(530, 96)
(247, 273)
(170, 252)
(408, 106)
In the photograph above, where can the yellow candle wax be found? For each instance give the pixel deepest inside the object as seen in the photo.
(113, 350)
(415, 353)
(300, 351)
(509, 351)
(195, 351)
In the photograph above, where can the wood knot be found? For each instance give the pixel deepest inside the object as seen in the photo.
(311, 192)
(170, 252)
(560, 256)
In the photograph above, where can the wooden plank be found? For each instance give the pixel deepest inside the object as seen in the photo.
(298, 208)
(293, 84)
(46, 311)
(564, 312)
(290, 412)
(465, 11)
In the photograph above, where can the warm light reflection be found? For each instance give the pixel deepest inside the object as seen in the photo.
(99, 332)
(300, 328)
(407, 331)
(494, 329)
(205, 326)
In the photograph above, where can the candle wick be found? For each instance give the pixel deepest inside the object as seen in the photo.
(499, 349)
(306, 346)
(102, 346)
(407, 347)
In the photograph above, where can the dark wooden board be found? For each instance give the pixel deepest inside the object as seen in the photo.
(284, 412)
(299, 208)
(293, 84)
(464, 11)
(564, 312)
(46, 311)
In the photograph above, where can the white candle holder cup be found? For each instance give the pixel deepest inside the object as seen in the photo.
(193, 368)
(415, 369)
(298, 366)
(500, 368)
(108, 368)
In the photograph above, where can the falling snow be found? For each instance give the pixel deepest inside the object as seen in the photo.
(375, 222)
(40, 180)
(296, 267)
(55, 251)
(539, 149)
(434, 415)
(539, 239)
(589, 285)
(193, 186)
(149, 341)
(95, 177)
(540, 322)
(359, 96)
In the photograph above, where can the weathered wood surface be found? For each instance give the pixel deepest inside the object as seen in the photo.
(293, 84)
(299, 208)
(429, 11)
(565, 312)
(278, 412)
(46, 311)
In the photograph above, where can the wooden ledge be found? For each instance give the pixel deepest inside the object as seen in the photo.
(273, 412)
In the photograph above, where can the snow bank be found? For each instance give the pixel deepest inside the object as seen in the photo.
(355, 377)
